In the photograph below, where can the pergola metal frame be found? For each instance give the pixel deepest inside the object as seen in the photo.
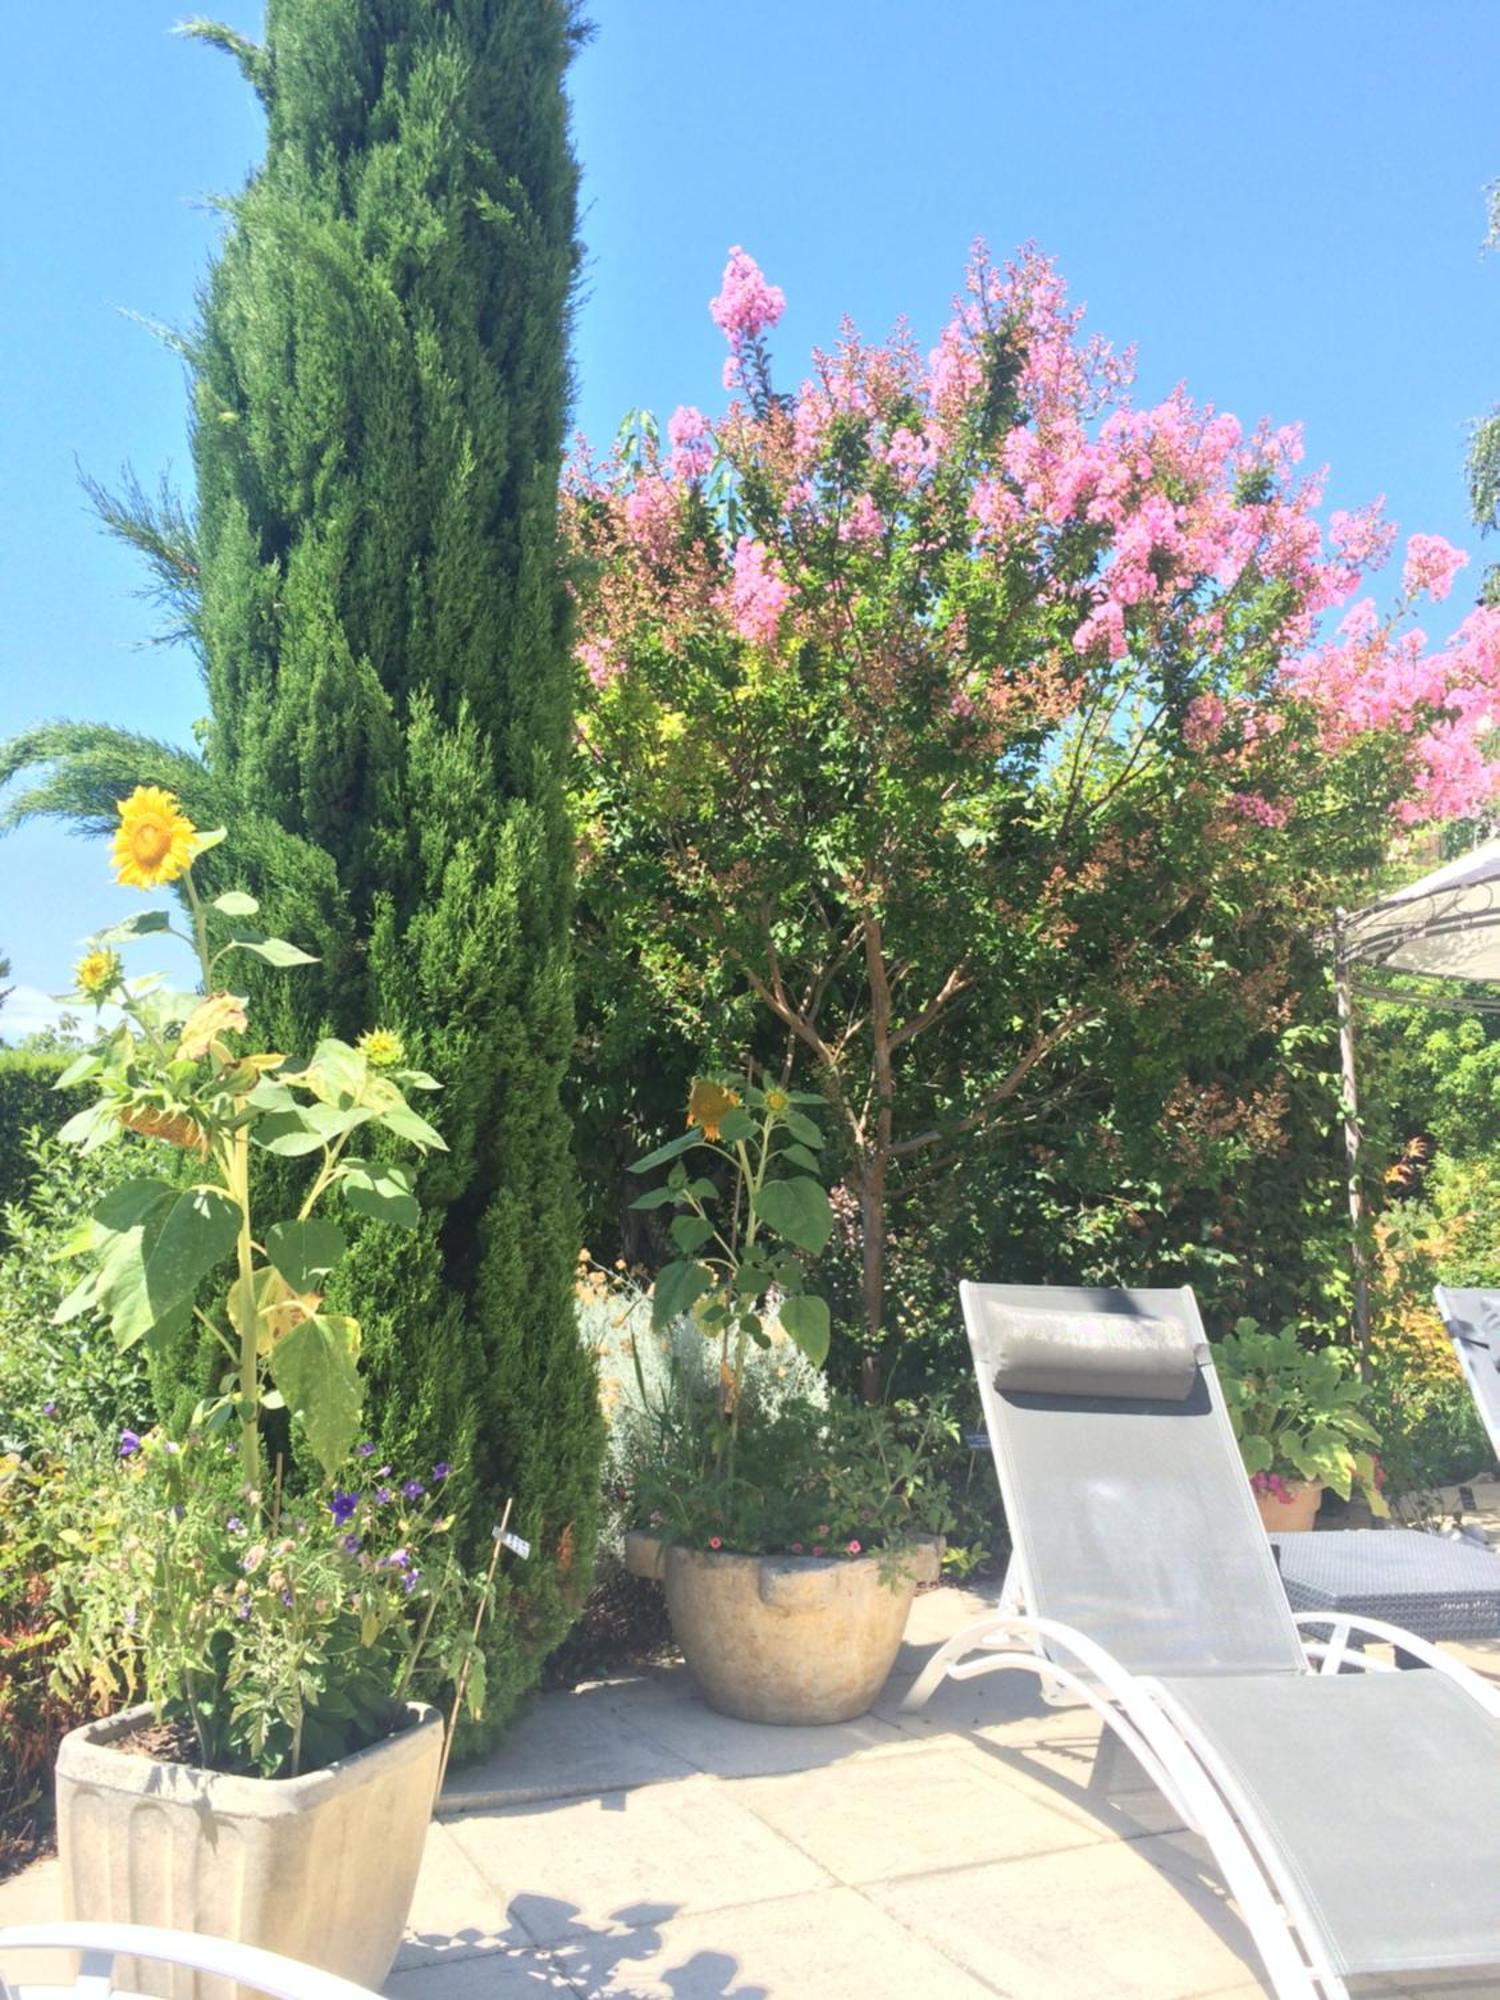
(1360, 937)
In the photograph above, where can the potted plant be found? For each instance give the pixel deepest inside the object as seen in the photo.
(1298, 1413)
(278, 1612)
(790, 1538)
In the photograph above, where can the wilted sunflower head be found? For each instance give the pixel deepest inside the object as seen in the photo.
(154, 840)
(708, 1103)
(382, 1048)
(98, 973)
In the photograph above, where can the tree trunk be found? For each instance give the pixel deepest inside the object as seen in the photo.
(872, 1257)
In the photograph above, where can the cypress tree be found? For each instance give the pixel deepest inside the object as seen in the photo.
(380, 387)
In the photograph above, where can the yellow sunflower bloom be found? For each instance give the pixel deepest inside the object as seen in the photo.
(97, 973)
(154, 840)
(707, 1104)
(382, 1048)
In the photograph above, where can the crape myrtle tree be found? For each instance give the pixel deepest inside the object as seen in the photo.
(379, 391)
(967, 739)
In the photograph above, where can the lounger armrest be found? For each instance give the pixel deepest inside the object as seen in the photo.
(1344, 1623)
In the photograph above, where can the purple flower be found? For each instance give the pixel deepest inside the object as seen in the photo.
(351, 1545)
(409, 1581)
(49, 1409)
(365, 1450)
(441, 1469)
(382, 1471)
(286, 1597)
(129, 1442)
(342, 1507)
(397, 1559)
(383, 1496)
(414, 1489)
(235, 1525)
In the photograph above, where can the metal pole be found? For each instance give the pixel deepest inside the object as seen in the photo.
(1353, 1138)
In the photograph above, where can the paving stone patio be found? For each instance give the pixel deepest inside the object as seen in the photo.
(625, 1843)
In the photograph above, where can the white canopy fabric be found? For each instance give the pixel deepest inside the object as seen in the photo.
(1446, 925)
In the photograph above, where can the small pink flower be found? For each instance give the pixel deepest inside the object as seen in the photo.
(817, 1548)
(714, 1542)
(854, 1548)
(796, 1548)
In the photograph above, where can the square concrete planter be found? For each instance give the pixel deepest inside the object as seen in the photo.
(321, 1868)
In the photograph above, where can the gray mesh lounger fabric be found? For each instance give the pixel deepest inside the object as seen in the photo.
(1381, 1793)
(1473, 1322)
(1109, 1497)
(1377, 1794)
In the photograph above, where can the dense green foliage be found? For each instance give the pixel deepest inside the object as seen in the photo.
(380, 384)
(29, 1103)
(64, 1391)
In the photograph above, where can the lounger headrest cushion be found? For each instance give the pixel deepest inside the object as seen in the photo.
(1052, 1353)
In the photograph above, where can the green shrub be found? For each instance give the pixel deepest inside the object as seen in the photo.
(60, 1386)
(29, 1102)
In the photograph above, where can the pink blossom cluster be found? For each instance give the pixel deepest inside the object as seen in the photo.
(692, 443)
(1374, 677)
(745, 305)
(757, 595)
(1431, 565)
(1138, 530)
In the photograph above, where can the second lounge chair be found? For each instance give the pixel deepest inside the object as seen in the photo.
(1354, 1815)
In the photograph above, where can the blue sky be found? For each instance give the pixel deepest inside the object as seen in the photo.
(1281, 204)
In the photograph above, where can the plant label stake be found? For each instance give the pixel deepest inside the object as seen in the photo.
(502, 1539)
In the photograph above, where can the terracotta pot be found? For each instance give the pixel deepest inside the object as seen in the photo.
(1292, 1516)
(791, 1639)
(321, 1868)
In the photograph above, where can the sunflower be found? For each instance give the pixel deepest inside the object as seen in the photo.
(778, 1100)
(176, 1127)
(707, 1104)
(382, 1048)
(97, 973)
(154, 840)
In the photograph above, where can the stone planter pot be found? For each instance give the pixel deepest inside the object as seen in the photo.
(791, 1639)
(1295, 1515)
(320, 1867)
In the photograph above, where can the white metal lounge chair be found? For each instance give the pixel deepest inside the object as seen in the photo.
(99, 1946)
(1355, 1816)
(1473, 1322)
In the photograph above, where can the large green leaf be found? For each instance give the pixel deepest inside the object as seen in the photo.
(275, 951)
(668, 1152)
(375, 1187)
(305, 1252)
(805, 1318)
(140, 925)
(657, 1198)
(236, 903)
(289, 1132)
(690, 1233)
(92, 1127)
(678, 1287)
(314, 1367)
(797, 1209)
(405, 1123)
(153, 1267)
